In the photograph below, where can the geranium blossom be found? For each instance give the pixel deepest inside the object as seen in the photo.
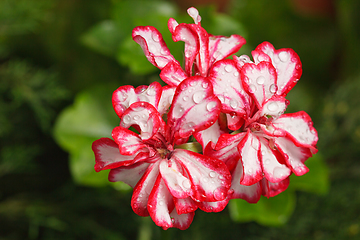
(234, 108)
(169, 183)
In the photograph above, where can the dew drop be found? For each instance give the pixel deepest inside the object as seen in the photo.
(122, 96)
(150, 91)
(284, 56)
(136, 117)
(273, 88)
(273, 106)
(220, 193)
(267, 161)
(193, 83)
(205, 85)
(205, 179)
(212, 174)
(127, 119)
(250, 170)
(178, 111)
(186, 183)
(252, 88)
(260, 80)
(210, 106)
(233, 103)
(236, 73)
(161, 203)
(198, 96)
(185, 98)
(172, 220)
(229, 68)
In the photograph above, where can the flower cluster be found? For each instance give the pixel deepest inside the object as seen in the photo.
(233, 108)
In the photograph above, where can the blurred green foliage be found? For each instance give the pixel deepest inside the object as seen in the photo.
(61, 59)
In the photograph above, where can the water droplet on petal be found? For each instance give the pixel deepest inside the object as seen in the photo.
(185, 98)
(186, 183)
(229, 68)
(273, 106)
(267, 161)
(233, 103)
(150, 91)
(193, 83)
(198, 96)
(161, 202)
(205, 179)
(136, 117)
(236, 73)
(260, 80)
(220, 193)
(212, 174)
(252, 88)
(205, 85)
(221, 98)
(210, 106)
(284, 56)
(127, 119)
(273, 88)
(178, 111)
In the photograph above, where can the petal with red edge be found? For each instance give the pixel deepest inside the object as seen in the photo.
(213, 206)
(287, 64)
(128, 174)
(225, 78)
(250, 193)
(128, 142)
(107, 155)
(143, 188)
(210, 178)
(160, 204)
(221, 47)
(153, 45)
(182, 221)
(240, 61)
(274, 171)
(274, 107)
(166, 99)
(299, 128)
(145, 116)
(173, 74)
(173, 176)
(210, 134)
(185, 205)
(249, 149)
(294, 156)
(259, 80)
(193, 98)
(270, 189)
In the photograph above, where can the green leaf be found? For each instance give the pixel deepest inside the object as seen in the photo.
(316, 180)
(89, 118)
(273, 211)
(104, 38)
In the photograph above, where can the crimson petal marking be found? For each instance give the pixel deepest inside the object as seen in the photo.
(160, 204)
(153, 45)
(193, 98)
(124, 96)
(166, 99)
(221, 47)
(259, 81)
(145, 116)
(249, 148)
(273, 170)
(173, 74)
(288, 66)
(225, 78)
(184, 32)
(128, 174)
(210, 177)
(185, 205)
(143, 188)
(270, 189)
(107, 155)
(213, 206)
(294, 156)
(128, 142)
(182, 221)
(299, 128)
(250, 193)
(173, 176)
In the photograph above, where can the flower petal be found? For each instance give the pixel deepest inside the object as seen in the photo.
(299, 128)
(221, 47)
(250, 193)
(107, 155)
(274, 171)
(294, 156)
(287, 64)
(185, 205)
(249, 149)
(153, 45)
(225, 78)
(124, 96)
(143, 189)
(128, 142)
(213, 206)
(128, 174)
(270, 189)
(173, 176)
(173, 74)
(166, 99)
(193, 98)
(259, 80)
(182, 221)
(145, 116)
(210, 178)
(274, 107)
(160, 204)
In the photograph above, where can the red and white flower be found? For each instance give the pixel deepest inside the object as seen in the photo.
(169, 183)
